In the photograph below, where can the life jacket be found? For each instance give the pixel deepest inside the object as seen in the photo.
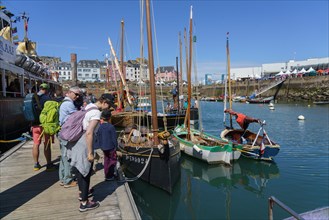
(241, 120)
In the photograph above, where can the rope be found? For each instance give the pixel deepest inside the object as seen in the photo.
(142, 171)
(14, 140)
(24, 137)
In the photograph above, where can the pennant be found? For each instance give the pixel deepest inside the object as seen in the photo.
(14, 30)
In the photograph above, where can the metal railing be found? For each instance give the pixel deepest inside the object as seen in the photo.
(272, 200)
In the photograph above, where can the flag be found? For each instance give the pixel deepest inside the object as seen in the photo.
(15, 37)
(14, 30)
(2, 7)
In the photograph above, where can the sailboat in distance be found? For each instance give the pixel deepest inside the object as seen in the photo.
(152, 156)
(197, 143)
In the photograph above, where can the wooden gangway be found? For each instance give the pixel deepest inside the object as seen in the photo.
(29, 194)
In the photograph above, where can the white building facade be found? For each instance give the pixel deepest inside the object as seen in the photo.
(64, 70)
(89, 70)
(270, 69)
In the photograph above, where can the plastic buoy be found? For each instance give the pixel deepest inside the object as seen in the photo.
(301, 117)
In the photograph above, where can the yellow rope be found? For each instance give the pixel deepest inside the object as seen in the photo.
(9, 141)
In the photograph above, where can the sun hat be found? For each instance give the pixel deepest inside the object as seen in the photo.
(44, 86)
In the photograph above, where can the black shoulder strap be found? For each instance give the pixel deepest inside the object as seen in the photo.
(36, 97)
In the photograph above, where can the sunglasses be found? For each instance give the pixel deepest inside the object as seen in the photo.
(76, 94)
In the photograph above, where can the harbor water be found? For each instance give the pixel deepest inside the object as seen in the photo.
(299, 177)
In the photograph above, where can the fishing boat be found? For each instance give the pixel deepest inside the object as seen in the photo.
(21, 73)
(200, 144)
(260, 100)
(321, 102)
(254, 145)
(153, 157)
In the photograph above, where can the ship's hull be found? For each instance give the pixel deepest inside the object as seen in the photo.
(213, 151)
(160, 168)
(269, 151)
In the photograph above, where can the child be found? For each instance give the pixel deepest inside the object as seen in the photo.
(108, 143)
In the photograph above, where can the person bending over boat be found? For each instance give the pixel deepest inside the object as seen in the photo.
(241, 119)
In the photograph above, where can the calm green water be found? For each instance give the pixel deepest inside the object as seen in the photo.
(299, 177)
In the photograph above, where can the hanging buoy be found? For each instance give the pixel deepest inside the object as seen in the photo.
(301, 117)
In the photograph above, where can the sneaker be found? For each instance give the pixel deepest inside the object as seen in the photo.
(61, 183)
(36, 167)
(50, 167)
(71, 184)
(88, 206)
(90, 194)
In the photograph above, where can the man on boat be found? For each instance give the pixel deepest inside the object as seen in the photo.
(40, 99)
(241, 119)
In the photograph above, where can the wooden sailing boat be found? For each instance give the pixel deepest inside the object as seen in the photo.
(153, 157)
(196, 143)
(256, 146)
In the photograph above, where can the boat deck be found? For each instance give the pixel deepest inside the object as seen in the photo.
(29, 194)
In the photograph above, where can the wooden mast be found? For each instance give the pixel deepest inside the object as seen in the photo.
(120, 72)
(229, 76)
(151, 69)
(177, 86)
(180, 86)
(189, 82)
(121, 99)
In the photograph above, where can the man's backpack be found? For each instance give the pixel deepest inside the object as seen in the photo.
(72, 129)
(49, 117)
(31, 107)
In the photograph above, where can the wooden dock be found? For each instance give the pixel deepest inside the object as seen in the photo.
(29, 194)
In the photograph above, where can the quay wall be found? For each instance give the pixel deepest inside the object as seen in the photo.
(301, 89)
(313, 88)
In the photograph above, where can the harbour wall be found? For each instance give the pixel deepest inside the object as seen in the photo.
(312, 88)
(300, 89)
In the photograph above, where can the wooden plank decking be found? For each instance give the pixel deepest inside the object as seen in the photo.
(29, 194)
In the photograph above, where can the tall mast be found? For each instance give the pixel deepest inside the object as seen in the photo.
(178, 81)
(121, 99)
(151, 68)
(229, 75)
(189, 81)
(186, 51)
(180, 86)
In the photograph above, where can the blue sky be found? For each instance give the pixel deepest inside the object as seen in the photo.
(260, 31)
